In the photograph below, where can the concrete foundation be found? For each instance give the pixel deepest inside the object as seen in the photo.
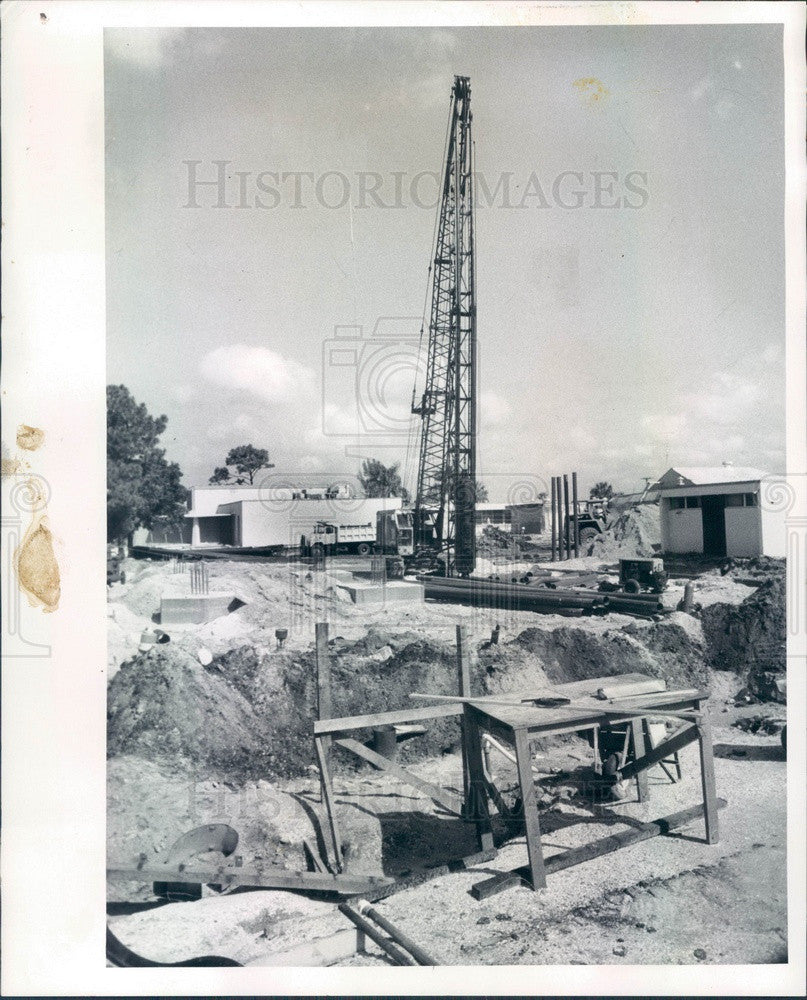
(195, 609)
(394, 591)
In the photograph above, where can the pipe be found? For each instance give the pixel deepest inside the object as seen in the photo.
(421, 957)
(372, 932)
(554, 528)
(566, 518)
(560, 518)
(574, 509)
(507, 595)
(614, 602)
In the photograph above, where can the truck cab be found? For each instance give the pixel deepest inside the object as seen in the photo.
(395, 532)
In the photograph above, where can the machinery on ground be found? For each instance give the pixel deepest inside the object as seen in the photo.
(396, 534)
(636, 575)
(591, 518)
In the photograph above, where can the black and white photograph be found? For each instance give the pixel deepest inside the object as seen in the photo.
(454, 538)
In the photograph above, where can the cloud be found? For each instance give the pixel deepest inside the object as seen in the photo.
(493, 409)
(263, 374)
(147, 48)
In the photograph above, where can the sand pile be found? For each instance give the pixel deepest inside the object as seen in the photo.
(635, 532)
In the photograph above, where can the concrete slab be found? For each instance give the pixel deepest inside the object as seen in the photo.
(196, 608)
(394, 591)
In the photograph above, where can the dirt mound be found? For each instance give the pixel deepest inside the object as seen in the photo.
(634, 533)
(249, 714)
(668, 649)
(749, 639)
(164, 705)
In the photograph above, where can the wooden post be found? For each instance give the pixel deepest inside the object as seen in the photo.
(639, 750)
(559, 488)
(529, 801)
(567, 533)
(554, 523)
(323, 744)
(574, 516)
(708, 778)
(464, 685)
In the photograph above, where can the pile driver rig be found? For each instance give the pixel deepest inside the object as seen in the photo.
(445, 500)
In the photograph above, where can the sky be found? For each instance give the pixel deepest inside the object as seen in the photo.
(630, 244)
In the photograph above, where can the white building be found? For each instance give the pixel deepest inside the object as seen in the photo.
(717, 512)
(260, 517)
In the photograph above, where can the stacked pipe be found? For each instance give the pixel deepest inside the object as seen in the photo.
(509, 596)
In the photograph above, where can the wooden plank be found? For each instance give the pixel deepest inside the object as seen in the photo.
(264, 878)
(665, 749)
(330, 807)
(708, 780)
(351, 723)
(661, 697)
(323, 661)
(451, 802)
(529, 801)
(421, 876)
(621, 689)
(639, 750)
(323, 671)
(598, 848)
(464, 687)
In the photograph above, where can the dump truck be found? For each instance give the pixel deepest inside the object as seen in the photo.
(332, 539)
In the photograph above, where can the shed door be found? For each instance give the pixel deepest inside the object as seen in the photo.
(714, 525)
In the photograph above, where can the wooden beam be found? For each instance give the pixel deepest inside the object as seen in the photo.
(264, 878)
(464, 687)
(327, 797)
(578, 855)
(351, 723)
(451, 802)
(671, 746)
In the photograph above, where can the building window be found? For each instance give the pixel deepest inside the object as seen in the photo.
(693, 502)
(742, 500)
(677, 503)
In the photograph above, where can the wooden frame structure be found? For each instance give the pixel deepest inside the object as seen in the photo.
(517, 725)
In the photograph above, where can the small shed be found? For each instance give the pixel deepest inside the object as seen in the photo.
(717, 512)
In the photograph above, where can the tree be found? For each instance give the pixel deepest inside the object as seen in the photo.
(601, 491)
(247, 461)
(141, 484)
(379, 480)
(480, 492)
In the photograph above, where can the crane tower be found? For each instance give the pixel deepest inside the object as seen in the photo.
(446, 483)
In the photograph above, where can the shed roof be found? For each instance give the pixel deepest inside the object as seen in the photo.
(708, 476)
